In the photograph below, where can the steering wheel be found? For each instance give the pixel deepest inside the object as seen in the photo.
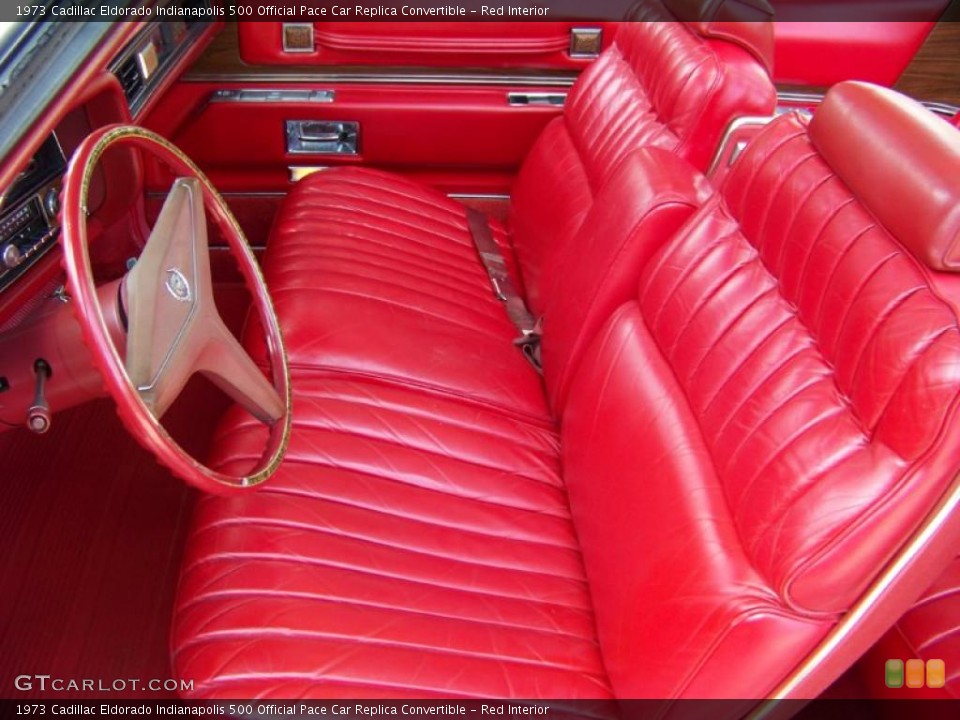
(165, 303)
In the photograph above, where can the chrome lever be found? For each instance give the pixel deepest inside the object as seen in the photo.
(309, 134)
(38, 414)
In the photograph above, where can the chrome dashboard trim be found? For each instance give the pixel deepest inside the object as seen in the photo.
(37, 196)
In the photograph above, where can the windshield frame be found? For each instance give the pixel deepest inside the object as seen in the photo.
(37, 61)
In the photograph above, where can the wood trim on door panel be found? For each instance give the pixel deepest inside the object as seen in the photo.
(934, 72)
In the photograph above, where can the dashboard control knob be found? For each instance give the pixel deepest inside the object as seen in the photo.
(12, 256)
(39, 420)
(51, 201)
(38, 414)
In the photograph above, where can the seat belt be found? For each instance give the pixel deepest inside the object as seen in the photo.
(503, 288)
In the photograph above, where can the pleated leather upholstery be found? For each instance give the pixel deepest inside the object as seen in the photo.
(376, 274)
(659, 85)
(815, 352)
(750, 441)
(410, 545)
(746, 442)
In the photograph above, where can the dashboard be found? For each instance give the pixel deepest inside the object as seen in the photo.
(121, 92)
(29, 211)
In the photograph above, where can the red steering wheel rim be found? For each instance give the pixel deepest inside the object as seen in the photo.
(133, 412)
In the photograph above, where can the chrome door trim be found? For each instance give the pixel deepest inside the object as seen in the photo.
(381, 78)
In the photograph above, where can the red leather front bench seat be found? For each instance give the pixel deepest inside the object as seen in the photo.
(746, 443)
(376, 274)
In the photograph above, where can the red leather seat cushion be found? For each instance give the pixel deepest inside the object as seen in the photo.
(378, 276)
(410, 545)
(681, 609)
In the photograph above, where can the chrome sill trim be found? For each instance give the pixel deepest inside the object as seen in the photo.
(154, 194)
(947, 110)
(157, 194)
(253, 194)
(373, 78)
(224, 248)
(478, 196)
(941, 108)
(272, 95)
(800, 97)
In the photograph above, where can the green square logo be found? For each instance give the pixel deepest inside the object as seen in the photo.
(893, 673)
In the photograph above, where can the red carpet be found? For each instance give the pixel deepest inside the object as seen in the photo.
(91, 534)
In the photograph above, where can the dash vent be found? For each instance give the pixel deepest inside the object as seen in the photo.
(130, 79)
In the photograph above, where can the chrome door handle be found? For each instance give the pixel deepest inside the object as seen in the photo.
(550, 99)
(322, 137)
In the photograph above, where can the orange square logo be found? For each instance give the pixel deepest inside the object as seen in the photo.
(915, 673)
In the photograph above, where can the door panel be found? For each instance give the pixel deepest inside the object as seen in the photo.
(432, 98)
(452, 127)
(459, 139)
(820, 43)
(824, 53)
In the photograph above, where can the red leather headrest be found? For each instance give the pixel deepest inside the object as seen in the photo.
(901, 161)
(747, 23)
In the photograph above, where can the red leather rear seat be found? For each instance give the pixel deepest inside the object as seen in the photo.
(745, 445)
(374, 274)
